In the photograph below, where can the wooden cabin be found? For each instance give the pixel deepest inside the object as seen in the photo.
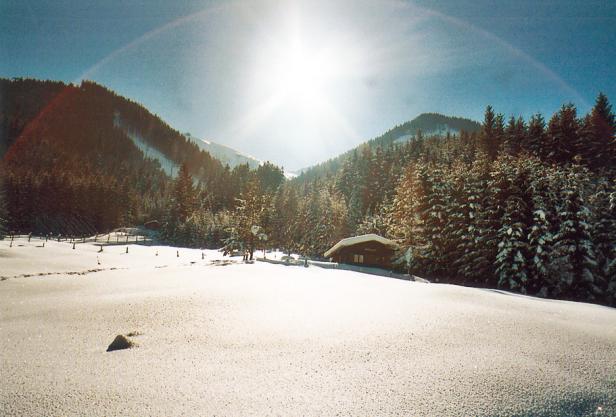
(367, 250)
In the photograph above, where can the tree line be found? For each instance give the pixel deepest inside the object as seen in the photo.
(521, 205)
(526, 205)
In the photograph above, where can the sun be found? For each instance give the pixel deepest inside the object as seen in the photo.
(299, 74)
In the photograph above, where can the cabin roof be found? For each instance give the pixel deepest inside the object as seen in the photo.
(355, 240)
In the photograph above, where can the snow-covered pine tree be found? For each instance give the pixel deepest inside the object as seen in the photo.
(511, 259)
(345, 181)
(540, 235)
(474, 264)
(611, 286)
(489, 221)
(405, 221)
(574, 253)
(248, 217)
(285, 229)
(457, 218)
(603, 232)
(311, 227)
(376, 180)
(354, 212)
(434, 253)
(332, 220)
(3, 207)
(511, 263)
(376, 223)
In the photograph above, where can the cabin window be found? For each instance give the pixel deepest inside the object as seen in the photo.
(358, 259)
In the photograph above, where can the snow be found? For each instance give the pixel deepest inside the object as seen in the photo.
(168, 166)
(404, 138)
(349, 241)
(225, 154)
(220, 337)
(440, 130)
(230, 156)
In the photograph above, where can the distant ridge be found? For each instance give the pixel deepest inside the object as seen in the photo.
(224, 154)
(430, 124)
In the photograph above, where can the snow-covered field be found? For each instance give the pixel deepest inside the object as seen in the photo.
(218, 337)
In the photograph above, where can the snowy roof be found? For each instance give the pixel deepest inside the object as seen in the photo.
(350, 241)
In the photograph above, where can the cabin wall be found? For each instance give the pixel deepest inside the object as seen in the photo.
(367, 253)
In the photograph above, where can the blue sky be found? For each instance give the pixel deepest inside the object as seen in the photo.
(299, 81)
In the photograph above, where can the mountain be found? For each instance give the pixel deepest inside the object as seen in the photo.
(430, 124)
(230, 156)
(426, 124)
(224, 153)
(82, 158)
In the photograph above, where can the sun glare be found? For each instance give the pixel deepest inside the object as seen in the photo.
(300, 75)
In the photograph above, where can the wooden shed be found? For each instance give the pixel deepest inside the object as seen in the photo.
(369, 250)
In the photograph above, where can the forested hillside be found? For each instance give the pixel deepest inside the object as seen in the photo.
(527, 206)
(523, 205)
(70, 168)
(426, 124)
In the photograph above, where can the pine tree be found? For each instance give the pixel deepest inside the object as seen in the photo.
(489, 221)
(598, 143)
(270, 177)
(536, 140)
(3, 207)
(285, 226)
(562, 135)
(511, 259)
(248, 220)
(487, 138)
(181, 206)
(405, 221)
(346, 179)
(310, 221)
(376, 223)
(354, 211)
(515, 136)
(433, 215)
(574, 253)
(603, 230)
(457, 219)
(499, 132)
(474, 264)
(541, 235)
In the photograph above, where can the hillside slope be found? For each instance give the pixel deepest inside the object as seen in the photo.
(83, 159)
(429, 124)
(267, 339)
(225, 154)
